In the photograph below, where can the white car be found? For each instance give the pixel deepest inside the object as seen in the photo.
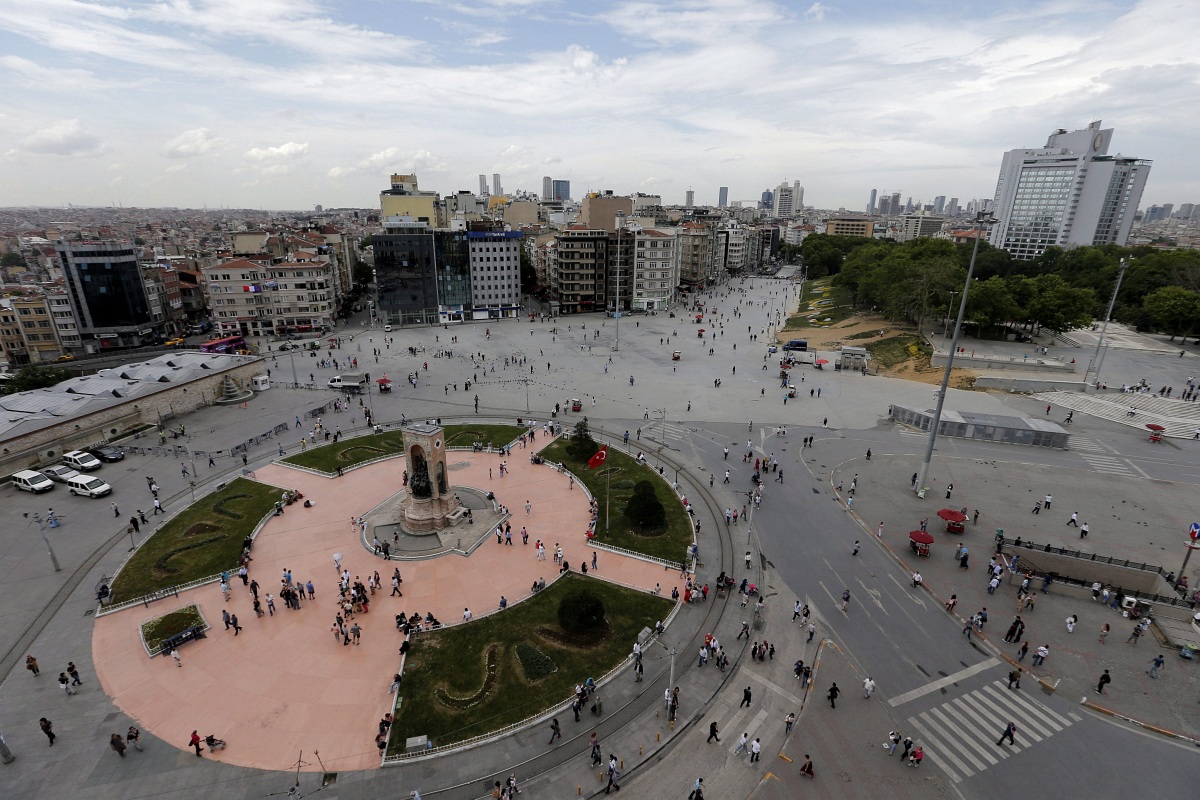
(88, 486)
(60, 473)
(84, 462)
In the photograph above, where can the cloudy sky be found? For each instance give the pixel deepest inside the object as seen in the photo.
(289, 103)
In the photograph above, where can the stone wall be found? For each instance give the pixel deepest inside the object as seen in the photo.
(1027, 384)
(43, 446)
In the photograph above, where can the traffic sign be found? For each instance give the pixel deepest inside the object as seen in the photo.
(1194, 530)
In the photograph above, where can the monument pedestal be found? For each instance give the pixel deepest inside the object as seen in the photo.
(430, 505)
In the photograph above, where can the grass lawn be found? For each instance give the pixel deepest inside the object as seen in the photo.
(670, 543)
(467, 680)
(895, 350)
(203, 540)
(166, 626)
(349, 452)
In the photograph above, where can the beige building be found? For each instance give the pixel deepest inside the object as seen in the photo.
(599, 211)
(655, 268)
(405, 199)
(696, 242)
(254, 298)
(31, 336)
(851, 226)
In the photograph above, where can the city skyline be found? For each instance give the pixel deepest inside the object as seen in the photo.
(285, 106)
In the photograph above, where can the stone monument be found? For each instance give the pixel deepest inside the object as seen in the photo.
(430, 504)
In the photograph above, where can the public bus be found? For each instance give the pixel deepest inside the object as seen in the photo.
(229, 344)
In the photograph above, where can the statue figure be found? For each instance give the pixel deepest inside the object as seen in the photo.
(421, 487)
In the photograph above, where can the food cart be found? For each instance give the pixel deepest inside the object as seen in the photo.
(919, 542)
(791, 390)
(576, 404)
(1156, 432)
(385, 384)
(676, 355)
(700, 333)
(954, 520)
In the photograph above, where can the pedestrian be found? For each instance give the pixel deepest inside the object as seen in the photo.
(949, 489)
(1071, 622)
(195, 742)
(833, 693)
(233, 620)
(746, 694)
(614, 774)
(134, 737)
(117, 744)
(555, 730)
(31, 664)
(743, 744)
(892, 743)
(1104, 632)
(1135, 635)
(175, 656)
(1074, 520)
(47, 728)
(788, 723)
(1009, 730)
(908, 743)
(868, 687)
(1155, 665)
(806, 768)
(74, 673)
(755, 749)
(1014, 678)
(812, 630)
(1039, 656)
(845, 600)
(712, 734)
(1105, 679)
(952, 602)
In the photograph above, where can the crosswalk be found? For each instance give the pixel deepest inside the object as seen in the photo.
(1100, 458)
(960, 735)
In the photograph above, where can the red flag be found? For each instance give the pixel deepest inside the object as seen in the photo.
(598, 459)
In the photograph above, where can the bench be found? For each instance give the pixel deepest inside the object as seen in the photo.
(183, 637)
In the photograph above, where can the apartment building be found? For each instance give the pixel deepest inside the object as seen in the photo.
(850, 226)
(495, 258)
(696, 243)
(260, 298)
(655, 268)
(578, 281)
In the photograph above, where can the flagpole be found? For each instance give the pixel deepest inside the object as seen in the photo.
(608, 494)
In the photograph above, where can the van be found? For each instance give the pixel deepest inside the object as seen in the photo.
(29, 481)
(84, 462)
(88, 486)
(800, 345)
(351, 381)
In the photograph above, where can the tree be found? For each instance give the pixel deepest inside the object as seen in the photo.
(644, 509)
(365, 242)
(990, 304)
(582, 446)
(361, 275)
(1173, 309)
(581, 611)
(12, 260)
(34, 377)
(528, 273)
(1058, 307)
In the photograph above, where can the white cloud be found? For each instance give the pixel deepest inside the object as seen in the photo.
(66, 138)
(284, 152)
(817, 11)
(393, 159)
(195, 142)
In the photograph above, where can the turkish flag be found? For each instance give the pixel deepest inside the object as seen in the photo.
(598, 459)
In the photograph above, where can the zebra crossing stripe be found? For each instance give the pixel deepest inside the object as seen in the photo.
(939, 754)
(1021, 711)
(991, 723)
(965, 741)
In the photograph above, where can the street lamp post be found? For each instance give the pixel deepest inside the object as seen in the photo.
(949, 310)
(982, 219)
(617, 299)
(41, 522)
(1098, 356)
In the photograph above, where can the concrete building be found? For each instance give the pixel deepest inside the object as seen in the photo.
(405, 273)
(599, 211)
(939, 204)
(789, 200)
(919, 226)
(262, 298)
(547, 189)
(696, 243)
(871, 203)
(578, 281)
(689, 198)
(723, 197)
(850, 226)
(495, 273)
(643, 203)
(27, 328)
(562, 191)
(107, 293)
(483, 190)
(655, 268)
(405, 199)
(497, 189)
(1068, 193)
(731, 247)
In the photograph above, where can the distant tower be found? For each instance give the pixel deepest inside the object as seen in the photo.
(723, 196)
(497, 189)
(547, 189)
(871, 205)
(483, 185)
(689, 198)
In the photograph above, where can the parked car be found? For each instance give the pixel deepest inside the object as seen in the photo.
(29, 481)
(88, 486)
(84, 462)
(60, 473)
(106, 452)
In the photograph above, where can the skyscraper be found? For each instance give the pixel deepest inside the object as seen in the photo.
(497, 189)
(689, 198)
(107, 293)
(939, 204)
(547, 189)
(797, 198)
(562, 190)
(723, 196)
(871, 205)
(483, 185)
(1070, 192)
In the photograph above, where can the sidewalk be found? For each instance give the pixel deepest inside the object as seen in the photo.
(1127, 520)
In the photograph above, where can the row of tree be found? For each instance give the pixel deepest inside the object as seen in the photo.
(1060, 290)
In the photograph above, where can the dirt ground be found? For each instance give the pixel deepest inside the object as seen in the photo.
(836, 335)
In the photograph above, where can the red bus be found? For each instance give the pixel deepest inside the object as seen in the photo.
(229, 344)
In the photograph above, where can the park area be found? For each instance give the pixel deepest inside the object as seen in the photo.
(470, 679)
(347, 453)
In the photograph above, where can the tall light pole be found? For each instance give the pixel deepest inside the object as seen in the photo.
(949, 310)
(1098, 357)
(617, 299)
(981, 219)
(41, 522)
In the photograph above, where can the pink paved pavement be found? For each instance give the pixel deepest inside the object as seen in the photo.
(285, 684)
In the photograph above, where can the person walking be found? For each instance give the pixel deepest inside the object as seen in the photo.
(788, 723)
(1104, 633)
(712, 733)
(1009, 730)
(908, 743)
(892, 743)
(233, 620)
(47, 728)
(743, 744)
(117, 744)
(1105, 680)
(177, 659)
(134, 738)
(806, 768)
(1074, 520)
(1155, 665)
(555, 730)
(868, 687)
(194, 741)
(846, 600)
(833, 693)
(1135, 635)
(1014, 679)
(31, 664)
(755, 749)
(614, 774)
(745, 698)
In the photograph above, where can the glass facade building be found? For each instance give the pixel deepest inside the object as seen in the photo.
(107, 293)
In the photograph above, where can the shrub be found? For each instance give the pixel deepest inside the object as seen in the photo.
(581, 611)
(582, 445)
(534, 663)
(644, 508)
